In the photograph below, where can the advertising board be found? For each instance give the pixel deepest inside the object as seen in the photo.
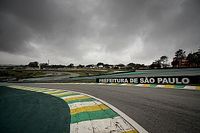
(180, 80)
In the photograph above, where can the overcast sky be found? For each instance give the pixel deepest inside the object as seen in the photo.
(92, 31)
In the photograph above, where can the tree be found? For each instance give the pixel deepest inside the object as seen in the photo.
(43, 65)
(190, 59)
(174, 62)
(33, 64)
(100, 64)
(56, 66)
(108, 66)
(71, 65)
(131, 65)
(194, 59)
(163, 61)
(90, 66)
(180, 54)
(80, 66)
(156, 64)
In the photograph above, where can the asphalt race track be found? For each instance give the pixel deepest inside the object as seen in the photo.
(155, 109)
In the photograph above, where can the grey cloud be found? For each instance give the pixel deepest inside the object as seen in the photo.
(13, 32)
(177, 29)
(78, 29)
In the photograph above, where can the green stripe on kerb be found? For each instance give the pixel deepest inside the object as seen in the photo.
(85, 116)
(81, 100)
(65, 94)
(179, 86)
(153, 85)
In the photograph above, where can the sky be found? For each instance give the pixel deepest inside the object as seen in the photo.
(92, 31)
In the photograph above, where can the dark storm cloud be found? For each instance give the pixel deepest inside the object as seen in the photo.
(178, 27)
(13, 32)
(88, 31)
(26, 20)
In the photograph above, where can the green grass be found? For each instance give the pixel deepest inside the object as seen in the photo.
(31, 112)
(20, 74)
(89, 72)
(23, 74)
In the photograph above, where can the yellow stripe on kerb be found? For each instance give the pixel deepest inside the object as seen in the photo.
(198, 88)
(169, 86)
(131, 131)
(76, 98)
(146, 85)
(88, 109)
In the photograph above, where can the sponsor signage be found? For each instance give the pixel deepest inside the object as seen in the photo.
(180, 80)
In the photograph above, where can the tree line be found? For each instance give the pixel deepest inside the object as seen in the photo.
(183, 60)
(180, 60)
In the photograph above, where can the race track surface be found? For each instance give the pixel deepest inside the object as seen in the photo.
(157, 110)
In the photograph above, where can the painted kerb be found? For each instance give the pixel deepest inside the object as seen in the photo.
(184, 87)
